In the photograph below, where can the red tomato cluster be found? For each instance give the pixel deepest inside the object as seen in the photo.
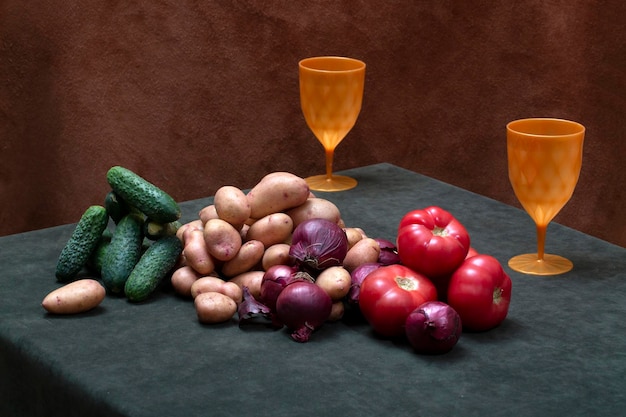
(436, 263)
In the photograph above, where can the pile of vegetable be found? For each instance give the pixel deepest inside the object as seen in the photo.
(282, 256)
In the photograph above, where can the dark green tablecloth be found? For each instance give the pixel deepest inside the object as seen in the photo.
(561, 351)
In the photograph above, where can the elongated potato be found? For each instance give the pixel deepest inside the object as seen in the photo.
(76, 297)
(364, 251)
(315, 208)
(250, 279)
(194, 224)
(207, 213)
(249, 255)
(182, 279)
(197, 253)
(276, 192)
(216, 284)
(277, 254)
(271, 229)
(222, 239)
(231, 204)
(214, 307)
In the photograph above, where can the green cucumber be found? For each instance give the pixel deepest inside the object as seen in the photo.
(116, 206)
(123, 253)
(155, 230)
(82, 243)
(152, 268)
(97, 257)
(145, 196)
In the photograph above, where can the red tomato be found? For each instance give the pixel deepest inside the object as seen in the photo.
(480, 291)
(389, 294)
(431, 241)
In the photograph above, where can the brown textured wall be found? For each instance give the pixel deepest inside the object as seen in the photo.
(195, 95)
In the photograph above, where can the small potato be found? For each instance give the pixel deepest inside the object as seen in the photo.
(337, 311)
(271, 229)
(249, 255)
(207, 213)
(364, 251)
(214, 307)
(276, 192)
(216, 284)
(182, 279)
(250, 279)
(195, 224)
(231, 204)
(315, 208)
(336, 281)
(76, 297)
(196, 252)
(353, 234)
(277, 254)
(222, 239)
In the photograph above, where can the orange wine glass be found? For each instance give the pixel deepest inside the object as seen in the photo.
(544, 160)
(331, 93)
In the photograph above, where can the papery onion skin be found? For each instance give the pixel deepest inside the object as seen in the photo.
(303, 307)
(250, 308)
(358, 275)
(388, 252)
(433, 328)
(317, 244)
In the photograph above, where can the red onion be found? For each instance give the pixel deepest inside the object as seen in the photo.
(358, 275)
(274, 280)
(250, 308)
(388, 252)
(433, 328)
(303, 306)
(317, 244)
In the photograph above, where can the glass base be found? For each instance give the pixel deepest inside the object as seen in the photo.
(335, 183)
(550, 265)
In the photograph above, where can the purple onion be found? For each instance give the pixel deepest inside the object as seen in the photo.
(250, 308)
(388, 252)
(274, 280)
(433, 328)
(317, 244)
(303, 307)
(358, 275)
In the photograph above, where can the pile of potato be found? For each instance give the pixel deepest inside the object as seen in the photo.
(241, 235)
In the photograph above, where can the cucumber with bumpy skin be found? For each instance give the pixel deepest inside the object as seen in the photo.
(152, 268)
(143, 195)
(81, 243)
(123, 253)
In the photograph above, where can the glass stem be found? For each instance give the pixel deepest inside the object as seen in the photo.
(329, 163)
(541, 240)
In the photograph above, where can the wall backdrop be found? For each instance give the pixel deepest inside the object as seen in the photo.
(195, 95)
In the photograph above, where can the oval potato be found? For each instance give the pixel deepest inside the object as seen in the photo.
(196, 252)
(194, 224)
(250, 253)
(353, 234)
(364, 251)
(222, 239)
(276, 192)
(336, 281)
(214, 307)
(207, 213)
(271, 229)
(216, 284)
(231, 204)
(315, 208)
(277, 254)
(76, 297)
(250, 279)
(182, 279)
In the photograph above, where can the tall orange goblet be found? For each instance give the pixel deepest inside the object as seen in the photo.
(544, 160)
(331, 93)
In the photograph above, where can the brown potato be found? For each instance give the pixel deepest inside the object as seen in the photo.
(216, 284)
(276, 192)
(207, 213)
(353, 234)
(277, 254)
(336, 281)
(250, 279)
(196, 252)
(76, 297)
(214, 307)
(231, 204)
(364, 251)
(182, 279)
(271, 229)
(249, 255)
(337, 311)
(315, 208)
(222, 239)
